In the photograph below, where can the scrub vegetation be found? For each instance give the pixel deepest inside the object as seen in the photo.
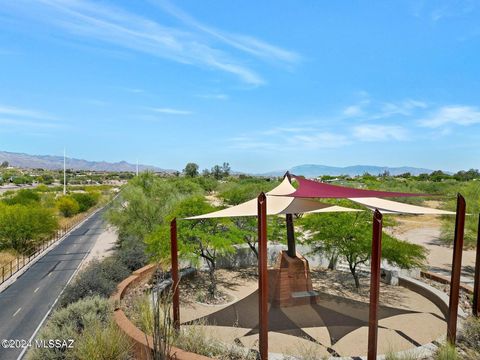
(142, 214)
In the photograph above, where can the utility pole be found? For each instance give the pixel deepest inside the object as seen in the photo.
(137, 167)
(64, 172)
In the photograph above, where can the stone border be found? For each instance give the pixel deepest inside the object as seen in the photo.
(142, 343)
(445, 280)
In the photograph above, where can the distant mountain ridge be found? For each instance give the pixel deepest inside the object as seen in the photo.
(313, 170)
(56, 162)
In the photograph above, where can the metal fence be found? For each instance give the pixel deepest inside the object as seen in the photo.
(10, 269)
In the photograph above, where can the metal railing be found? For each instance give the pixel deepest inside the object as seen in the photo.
(10, 269)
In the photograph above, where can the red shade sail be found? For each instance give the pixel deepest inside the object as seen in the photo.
(314, 189)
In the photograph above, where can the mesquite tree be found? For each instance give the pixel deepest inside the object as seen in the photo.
(348, 237)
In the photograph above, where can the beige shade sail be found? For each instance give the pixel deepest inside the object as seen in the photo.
(276, 205)
(394, 207)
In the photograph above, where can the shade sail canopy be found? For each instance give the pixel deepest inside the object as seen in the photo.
(395, 207)
(314, 189)
(276, 205)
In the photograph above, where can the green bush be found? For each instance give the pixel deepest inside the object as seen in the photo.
(102, 342)
(68, 206)
(470, 335)
(70, 323)
(21, 227)
(98, 278)
(23, 197)
(446, 352)
(132, 253)
(86, 200)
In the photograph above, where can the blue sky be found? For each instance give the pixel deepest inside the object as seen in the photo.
(262, 85)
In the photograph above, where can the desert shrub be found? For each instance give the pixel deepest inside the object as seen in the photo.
(403, 356)
(132, 254)
(194, 338)
(98, 278)
(86, 200)
(68, 206)
(70, 323)
(23, 197)
(470, 336)
(21, 227)
(103, 342)
(446, 352)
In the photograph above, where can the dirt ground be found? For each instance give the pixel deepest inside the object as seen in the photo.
(425, 230)
(103, 246)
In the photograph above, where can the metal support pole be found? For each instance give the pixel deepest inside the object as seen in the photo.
(456, 270)
(262, 277)
(291, 251)
(476, 285)
(375, 261)
(174, 274)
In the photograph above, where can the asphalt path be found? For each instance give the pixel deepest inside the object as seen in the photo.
(25, 303)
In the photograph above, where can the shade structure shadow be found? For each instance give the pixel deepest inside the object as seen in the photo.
(338, 315)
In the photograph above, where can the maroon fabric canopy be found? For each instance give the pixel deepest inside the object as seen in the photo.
(314, 189)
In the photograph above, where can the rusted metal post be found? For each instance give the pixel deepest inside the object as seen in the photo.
(375, 261)
(262, 277)
(174, 274)
(291, 251)
(476, 285)
(456, 270)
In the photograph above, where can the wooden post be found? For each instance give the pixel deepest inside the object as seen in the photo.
(476, 285)
(456, 271)
(262, 277)
(174, 274)
(291, 251)
(375, 261)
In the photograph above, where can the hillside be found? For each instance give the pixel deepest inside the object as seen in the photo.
(56, 162)
(312, 170)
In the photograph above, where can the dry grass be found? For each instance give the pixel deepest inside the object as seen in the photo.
(6, 256)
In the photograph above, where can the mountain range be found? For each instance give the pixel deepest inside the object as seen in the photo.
(56, 162)
(312, 170)
(309, 170)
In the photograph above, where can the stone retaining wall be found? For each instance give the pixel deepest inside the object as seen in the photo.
(142, 343)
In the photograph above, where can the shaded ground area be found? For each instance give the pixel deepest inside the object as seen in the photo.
(336, 324)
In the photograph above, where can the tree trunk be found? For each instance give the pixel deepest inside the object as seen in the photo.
(357, 281)
(212, 287)
(353, 270)
(332, 263)
(252, 247)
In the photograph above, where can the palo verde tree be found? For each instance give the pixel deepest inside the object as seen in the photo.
(348, 237)
(205, 239)
(142, 205)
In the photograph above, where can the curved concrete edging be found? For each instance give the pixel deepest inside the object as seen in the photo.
(142, 343)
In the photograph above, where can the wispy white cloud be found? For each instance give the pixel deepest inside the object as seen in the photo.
(28, 123)
(452, 115)
(319, 140)
(375, 132)
(171, 111)
(214, 96)
(200, 46)
(134, 90)
(248, 44)
(15, 118)
(16, 111)
(353, 111)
